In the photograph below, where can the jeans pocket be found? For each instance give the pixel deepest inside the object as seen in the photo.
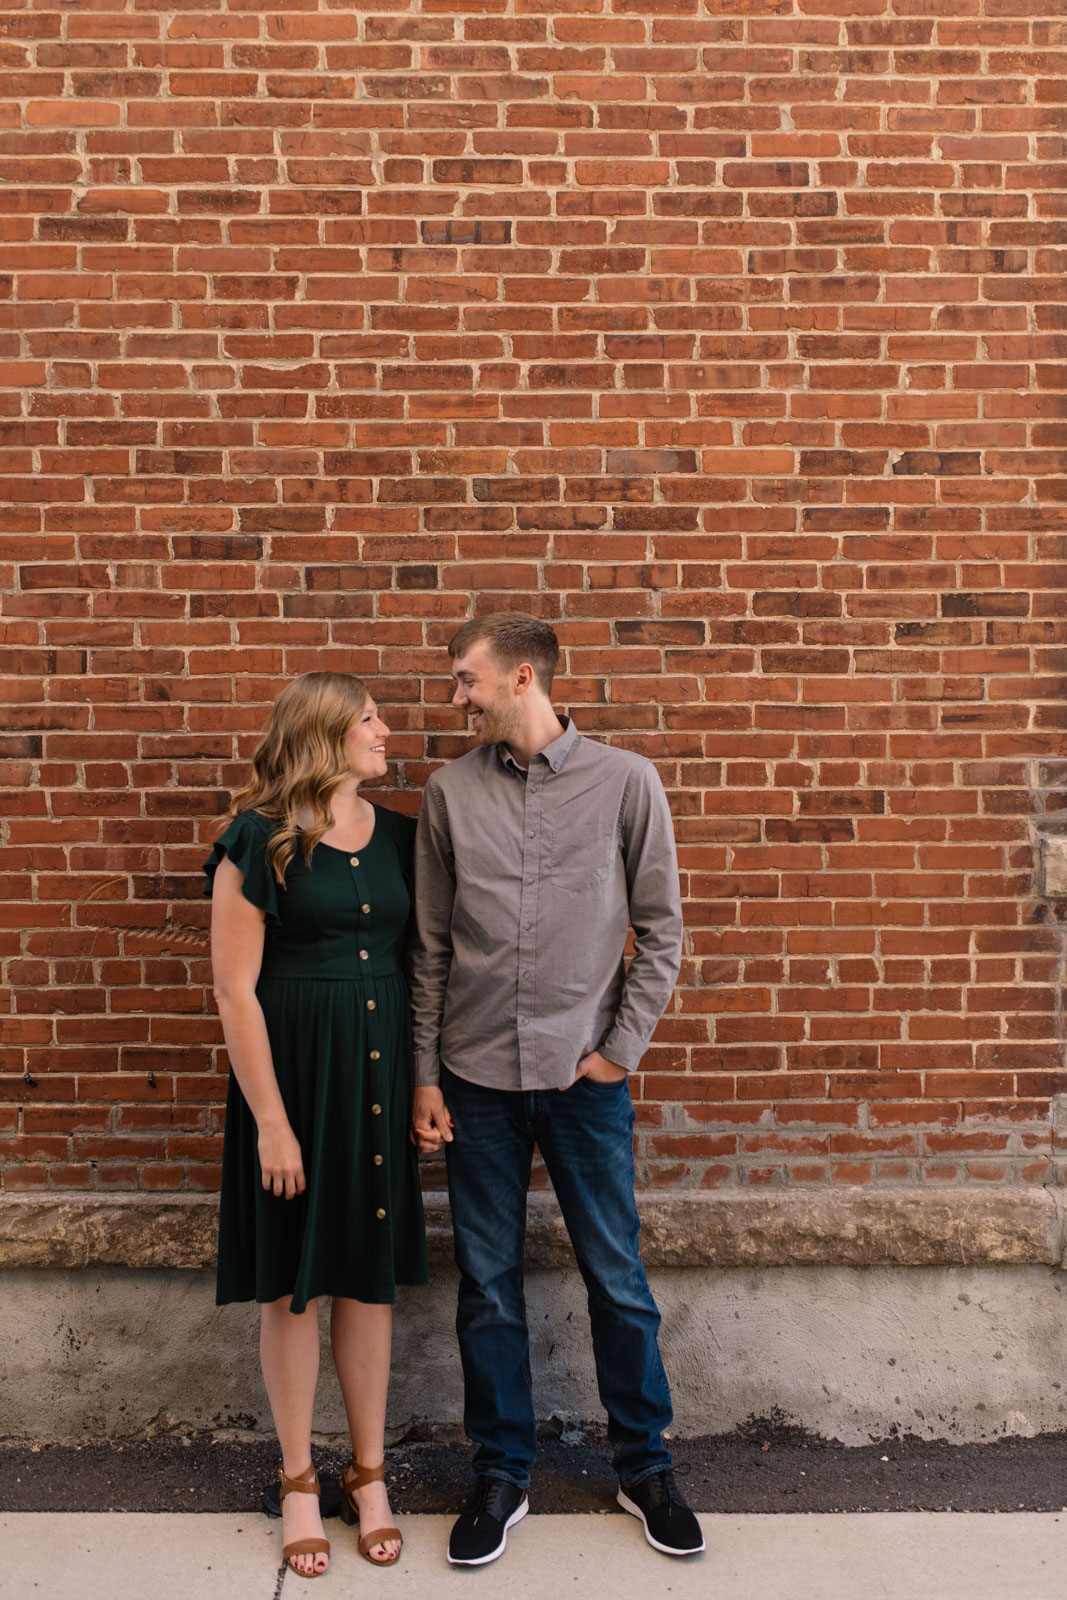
(605, 1085)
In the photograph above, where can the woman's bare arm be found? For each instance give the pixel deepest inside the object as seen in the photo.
(237, 934)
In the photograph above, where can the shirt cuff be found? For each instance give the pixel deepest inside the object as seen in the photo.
(427, 1069)
(624, 1048)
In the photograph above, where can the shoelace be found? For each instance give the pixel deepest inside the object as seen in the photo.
(662, 1489)
(491, 1499)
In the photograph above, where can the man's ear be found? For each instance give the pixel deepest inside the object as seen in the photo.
(524, 677)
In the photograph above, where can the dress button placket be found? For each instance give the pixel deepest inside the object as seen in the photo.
(376, 1085)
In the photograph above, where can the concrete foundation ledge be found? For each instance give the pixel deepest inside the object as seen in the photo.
(851, 1227)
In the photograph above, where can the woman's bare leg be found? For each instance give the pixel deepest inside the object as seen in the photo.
(289, 1354)
(361, 1336)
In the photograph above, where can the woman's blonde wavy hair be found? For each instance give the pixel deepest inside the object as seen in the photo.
(300, 761)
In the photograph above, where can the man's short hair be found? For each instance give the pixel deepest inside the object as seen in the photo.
(512, 638)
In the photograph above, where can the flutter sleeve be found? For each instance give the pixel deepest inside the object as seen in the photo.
(245, 842)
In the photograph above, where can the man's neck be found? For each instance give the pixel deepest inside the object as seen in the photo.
(544, 729)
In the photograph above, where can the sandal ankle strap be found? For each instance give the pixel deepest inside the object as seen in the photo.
(306, 1482)
(357, 1477)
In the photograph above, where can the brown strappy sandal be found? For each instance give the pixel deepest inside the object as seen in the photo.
(356, 1477)
(306, 1482)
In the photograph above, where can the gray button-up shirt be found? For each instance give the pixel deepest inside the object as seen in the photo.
(525, 886)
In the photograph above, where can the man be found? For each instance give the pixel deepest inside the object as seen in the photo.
(535, 853)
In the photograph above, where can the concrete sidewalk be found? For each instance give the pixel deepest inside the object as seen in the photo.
(883, 1556)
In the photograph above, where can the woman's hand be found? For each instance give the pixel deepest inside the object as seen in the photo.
(280, 1160)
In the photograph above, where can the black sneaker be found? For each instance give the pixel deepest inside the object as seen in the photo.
(481, 1533)
(670, 1526)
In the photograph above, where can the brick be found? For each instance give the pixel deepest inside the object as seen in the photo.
(338, 335)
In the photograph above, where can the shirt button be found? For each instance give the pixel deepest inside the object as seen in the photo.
(371, 1005)
(527, 925)
(380, 1214)
(375, 1111)
(363, 954)
(524, 1021)
(376, 1055)
(378, 1160)
(526, 974)
(364, 909)
(531, 836)
(354, 861)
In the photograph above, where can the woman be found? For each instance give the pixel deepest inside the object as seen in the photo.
(310, 888)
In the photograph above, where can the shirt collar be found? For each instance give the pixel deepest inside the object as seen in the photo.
(555, 753)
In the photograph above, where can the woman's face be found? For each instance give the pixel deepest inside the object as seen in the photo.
(365, 745)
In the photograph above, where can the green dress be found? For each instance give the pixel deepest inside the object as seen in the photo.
(336, 1006)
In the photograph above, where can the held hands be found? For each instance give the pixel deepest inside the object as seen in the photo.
(599, 1068)
(280, 1160)
(431, 1125)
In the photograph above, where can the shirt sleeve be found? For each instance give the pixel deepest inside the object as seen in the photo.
(245, 842)
(431, 956)
(655, 915)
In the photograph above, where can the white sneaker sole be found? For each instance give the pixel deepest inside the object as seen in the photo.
(480, 1561)
(667, 1549)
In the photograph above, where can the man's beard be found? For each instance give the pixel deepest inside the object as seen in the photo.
(496, 726)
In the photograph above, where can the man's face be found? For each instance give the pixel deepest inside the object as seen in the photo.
(485, 690)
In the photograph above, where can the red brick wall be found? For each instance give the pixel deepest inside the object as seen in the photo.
(727, 335)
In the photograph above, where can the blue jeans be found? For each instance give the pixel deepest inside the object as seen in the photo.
(585, 1135)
